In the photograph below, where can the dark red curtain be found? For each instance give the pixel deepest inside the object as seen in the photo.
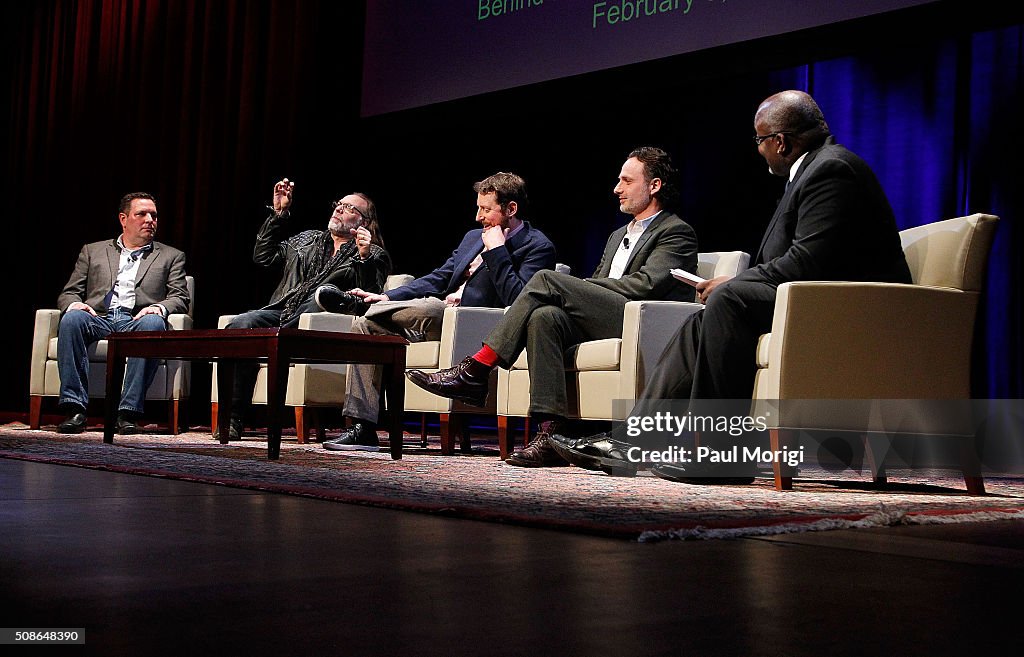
(203, 104)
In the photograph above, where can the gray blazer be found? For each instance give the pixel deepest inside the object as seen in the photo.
(668, 242)
(161, 278)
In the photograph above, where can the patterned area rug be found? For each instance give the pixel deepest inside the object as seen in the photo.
(480, 486)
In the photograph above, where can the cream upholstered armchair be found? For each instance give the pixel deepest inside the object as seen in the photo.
(877, 343)
(172, 378)
(606, 376)
(463, 330)
(310, 385)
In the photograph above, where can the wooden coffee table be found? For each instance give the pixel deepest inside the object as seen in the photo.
(279, 347)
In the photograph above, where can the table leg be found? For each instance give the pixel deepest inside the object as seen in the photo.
(277, 385)
(225, 391)
(115, 381)
(394, 384)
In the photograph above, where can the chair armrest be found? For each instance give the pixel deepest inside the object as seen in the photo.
(326, 322)
(647, 326)
(47, 320)
(463, 330)
(179, 321)
(840, 340)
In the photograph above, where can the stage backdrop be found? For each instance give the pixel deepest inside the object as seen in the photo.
(206, 104)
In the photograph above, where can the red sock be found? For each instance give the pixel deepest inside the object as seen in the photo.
(486, 356)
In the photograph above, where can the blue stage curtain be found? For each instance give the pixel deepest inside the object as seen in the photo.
(941, 126)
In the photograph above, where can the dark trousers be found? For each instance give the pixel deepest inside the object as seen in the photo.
(713, 354)
(246, 371)
(553, 313)
(711, 360)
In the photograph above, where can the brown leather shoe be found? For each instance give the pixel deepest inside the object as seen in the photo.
(466, 382)
(539, 453)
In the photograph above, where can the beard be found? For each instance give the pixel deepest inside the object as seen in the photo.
(339, 228)
(634, 206)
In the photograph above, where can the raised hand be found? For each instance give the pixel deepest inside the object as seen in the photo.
(283, 195)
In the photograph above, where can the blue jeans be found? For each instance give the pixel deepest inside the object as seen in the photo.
(77, 330)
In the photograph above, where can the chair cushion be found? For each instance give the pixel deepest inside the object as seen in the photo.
(598, 355)
(421, 355)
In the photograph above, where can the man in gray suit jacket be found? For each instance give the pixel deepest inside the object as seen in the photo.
(131, 283)
(834, 222)
(557, 311)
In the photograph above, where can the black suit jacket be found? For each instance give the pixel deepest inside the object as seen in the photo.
(834, 223)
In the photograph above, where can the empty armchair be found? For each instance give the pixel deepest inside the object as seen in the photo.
(879, 341)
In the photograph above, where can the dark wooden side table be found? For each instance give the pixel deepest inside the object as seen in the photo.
(279, 347)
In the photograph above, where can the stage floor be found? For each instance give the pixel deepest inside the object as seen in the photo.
(154, 566)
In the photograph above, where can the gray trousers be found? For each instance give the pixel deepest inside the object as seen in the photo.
(553, 313)
(416, 320)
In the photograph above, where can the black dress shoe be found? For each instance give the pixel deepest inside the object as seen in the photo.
(361, 436)
(600, 452)
(333, 300)
(127, 424)
(539, 453)
(466, 382)
(74, 424)
(715, 474)
(235, 429)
